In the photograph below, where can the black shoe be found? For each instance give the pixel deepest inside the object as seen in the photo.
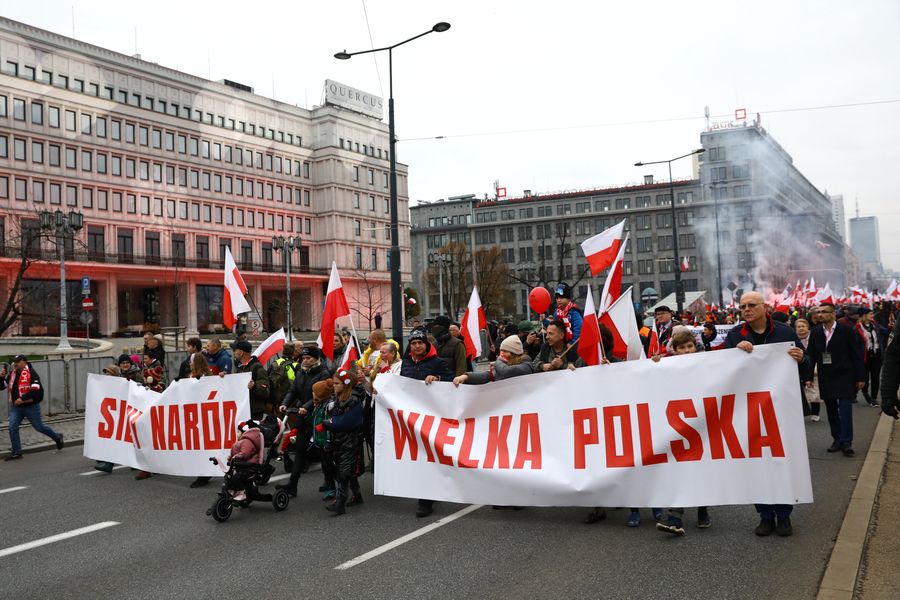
(104, 467)
(12, 457)
(423, 511)
(784, 528)
(835, 447)
(766, 527)
(291, 490)
(200, 482)
(848, 451)
(355, 500)
(598, 514)
(59, 441)
(337, 508)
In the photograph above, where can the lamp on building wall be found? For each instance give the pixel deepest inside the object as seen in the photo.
(287, 245)
(679, 287)
(396, 284)
(62, 225)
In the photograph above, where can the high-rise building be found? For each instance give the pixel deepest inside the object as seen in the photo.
(767, 214)
(168, 170)
(837, 212)
(864, 240)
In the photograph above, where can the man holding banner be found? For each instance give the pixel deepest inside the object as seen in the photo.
(760, 329)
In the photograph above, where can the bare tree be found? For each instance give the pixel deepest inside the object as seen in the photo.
(491, 277)
(373, 295)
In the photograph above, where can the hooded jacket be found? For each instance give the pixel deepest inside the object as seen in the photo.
(430, 364)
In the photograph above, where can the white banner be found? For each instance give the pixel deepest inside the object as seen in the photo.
(703, 429)
(173, 433)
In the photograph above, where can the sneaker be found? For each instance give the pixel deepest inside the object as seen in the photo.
(337, 508)
(143, 475)
(291, 490)
(634, 519)
(200, 482)
(355, 500)
(329, 495)
(104, 467)
(814, 418)
(423, 511)
(239, 496)
(12, 457)
(59, 441)
(658, 515)
(784, 528)
(673, 525)
(766, 527)
(703, 521)
(598, 514)
(874, 405)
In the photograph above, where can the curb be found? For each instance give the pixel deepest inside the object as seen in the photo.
(44, 447)
(839, 580)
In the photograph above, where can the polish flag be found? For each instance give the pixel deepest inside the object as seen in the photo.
(825, 294)
(619, 319)
(601, 249)
(351, 354)
(612, 287)
(472, 323)
(271, 347)
(233, 299)
(685, 264)
(335, 307)
(590, 347)
(892, 290)
(653, 346)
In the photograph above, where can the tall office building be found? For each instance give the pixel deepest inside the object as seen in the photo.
(864, 240)
(837, 212)
(168, 170)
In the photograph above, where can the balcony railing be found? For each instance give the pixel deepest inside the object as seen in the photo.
(94, 256)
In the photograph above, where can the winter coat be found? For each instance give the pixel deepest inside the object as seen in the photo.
(155, 377)
(838, 379)
(259, 395)
(220, 362)
(775, 333)
(430, 364)
(247, 446)
(499, 369)
(546, 354)
(25, 387)
(453, 351)
(134, 374)
(344, 420)
(890, 369)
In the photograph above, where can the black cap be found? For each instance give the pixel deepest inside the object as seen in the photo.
(418, 334)
(19, 358)
(443, 321)
(311, 351)
(662, 308)
(863, 310)
(563, 291)
(242, 345)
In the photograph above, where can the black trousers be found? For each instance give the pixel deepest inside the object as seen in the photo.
(873, 381)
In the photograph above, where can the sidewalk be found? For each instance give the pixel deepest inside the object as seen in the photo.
(71, 425)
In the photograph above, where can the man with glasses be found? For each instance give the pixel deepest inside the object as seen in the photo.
(759, 328)
(836, 350)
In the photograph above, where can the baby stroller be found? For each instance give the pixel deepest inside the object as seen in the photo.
(243, 478)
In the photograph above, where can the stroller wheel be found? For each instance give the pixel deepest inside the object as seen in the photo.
(221, 509)
(280, 500)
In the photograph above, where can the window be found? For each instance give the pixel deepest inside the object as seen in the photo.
(202, 251)
(355, 172)
(21, 189)
(19, 110)
(129, 133)
(55, 193)
(151, 247)
(157, 138)
(52, 116)
(37, 113)
(663, 220)
(643, 222)
(96, 242)
(144, 133)
(101, 164)
(3, 106)
(100, 126)
(664, 242)
(117, 166)
(357, 227)
(178, 248)
(19, 149)
(85, 160)
(87, 197)
(359, 258)
(37, 191)
(70, 120)
(71, 158)
(86, 124)
(115, 130)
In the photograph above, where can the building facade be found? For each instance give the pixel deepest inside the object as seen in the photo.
(768, 217)
(168, 170)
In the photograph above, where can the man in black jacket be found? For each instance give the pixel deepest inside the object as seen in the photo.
(837, 352)
(300, 397)
(758, 329)
(422, 362)
(890, 374)
(25, 395)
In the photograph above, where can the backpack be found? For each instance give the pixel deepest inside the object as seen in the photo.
(281, 377)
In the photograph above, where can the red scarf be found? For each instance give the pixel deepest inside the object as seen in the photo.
(25, 384)
(563, 315)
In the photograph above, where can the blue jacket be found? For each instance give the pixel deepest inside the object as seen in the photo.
(430, 364)
(775, 333)
(220, 362)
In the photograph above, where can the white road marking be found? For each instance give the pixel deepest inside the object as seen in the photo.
(408, 537)
(279, 477)
(96, 472)
(14, 489)
(57, 538)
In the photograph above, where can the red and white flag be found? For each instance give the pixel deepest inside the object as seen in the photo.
(601, 249)
(612, 287)
(233, 300)
(824, 295)
(271, 347)
(892, 290)
(685, 264)
(472, 323)
(590, 347)
(335, 307)
(620, 320)
(653, 346)
(351, 354)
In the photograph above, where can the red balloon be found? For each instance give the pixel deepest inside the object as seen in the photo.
(539, 300)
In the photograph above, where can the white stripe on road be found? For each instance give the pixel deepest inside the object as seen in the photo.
(96, 472)
(56, 538)
(279, 477)
(14, 489)
(408, 537)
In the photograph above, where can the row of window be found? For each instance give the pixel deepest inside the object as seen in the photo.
(143, 135)
(135, 99)
(599, 205)
(57, 193)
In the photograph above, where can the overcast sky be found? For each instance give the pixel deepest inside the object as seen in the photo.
(550, 96)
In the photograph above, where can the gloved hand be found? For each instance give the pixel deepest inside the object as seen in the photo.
(890, 408)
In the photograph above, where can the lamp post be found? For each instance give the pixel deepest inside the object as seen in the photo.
(715, 188)
(679, 289)
(62, 225)
(287, 245)
(396, 284)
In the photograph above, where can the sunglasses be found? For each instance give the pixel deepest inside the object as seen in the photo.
(748, 305)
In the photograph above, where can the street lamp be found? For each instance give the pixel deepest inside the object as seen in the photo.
(287, 245)
(715, 189)
(62, 225)
(679, 289)
(396, 284)
(441, 259)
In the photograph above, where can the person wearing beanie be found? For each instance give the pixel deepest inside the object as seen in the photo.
(531, 339)
(300, 397)
(344, 420)
(511, 363)
(568, 313)
(321, 438)
(422, 362)
(259, 379)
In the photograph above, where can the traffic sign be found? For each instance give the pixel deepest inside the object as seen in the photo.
(87, 318)
(87, 304)
(86, 285)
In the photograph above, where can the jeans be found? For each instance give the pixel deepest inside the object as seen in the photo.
(33, 413)
(840, 419)
(770, 511)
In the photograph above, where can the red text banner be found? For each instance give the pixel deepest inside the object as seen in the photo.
(173, 433)
(696, 430)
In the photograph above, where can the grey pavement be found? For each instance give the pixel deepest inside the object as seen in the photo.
(165, 546)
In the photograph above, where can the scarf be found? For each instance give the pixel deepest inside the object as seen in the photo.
(25, 383)
(563, 315)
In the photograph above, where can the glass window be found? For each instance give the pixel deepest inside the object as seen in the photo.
(71, 158)
(70, 120)
(129, 133)
(86, 124)
(101, 127)
(19, 149)
(54, 155)
(4, 148)
(85, 160)
(19, 109)
(144, 136)
(115, 130)
(37, 152)
(37, 191)
(37, 113)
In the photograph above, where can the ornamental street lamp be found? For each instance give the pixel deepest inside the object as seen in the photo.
(679, 288)
(396, 284)
(287, 245)
(441, 259)
(62, 225)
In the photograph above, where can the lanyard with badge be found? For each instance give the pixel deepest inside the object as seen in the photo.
(826, 356)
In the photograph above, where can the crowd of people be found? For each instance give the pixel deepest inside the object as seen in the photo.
(329, 406)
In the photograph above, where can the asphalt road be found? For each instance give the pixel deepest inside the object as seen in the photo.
(165, 547)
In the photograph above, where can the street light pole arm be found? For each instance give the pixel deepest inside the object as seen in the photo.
(345, 55)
